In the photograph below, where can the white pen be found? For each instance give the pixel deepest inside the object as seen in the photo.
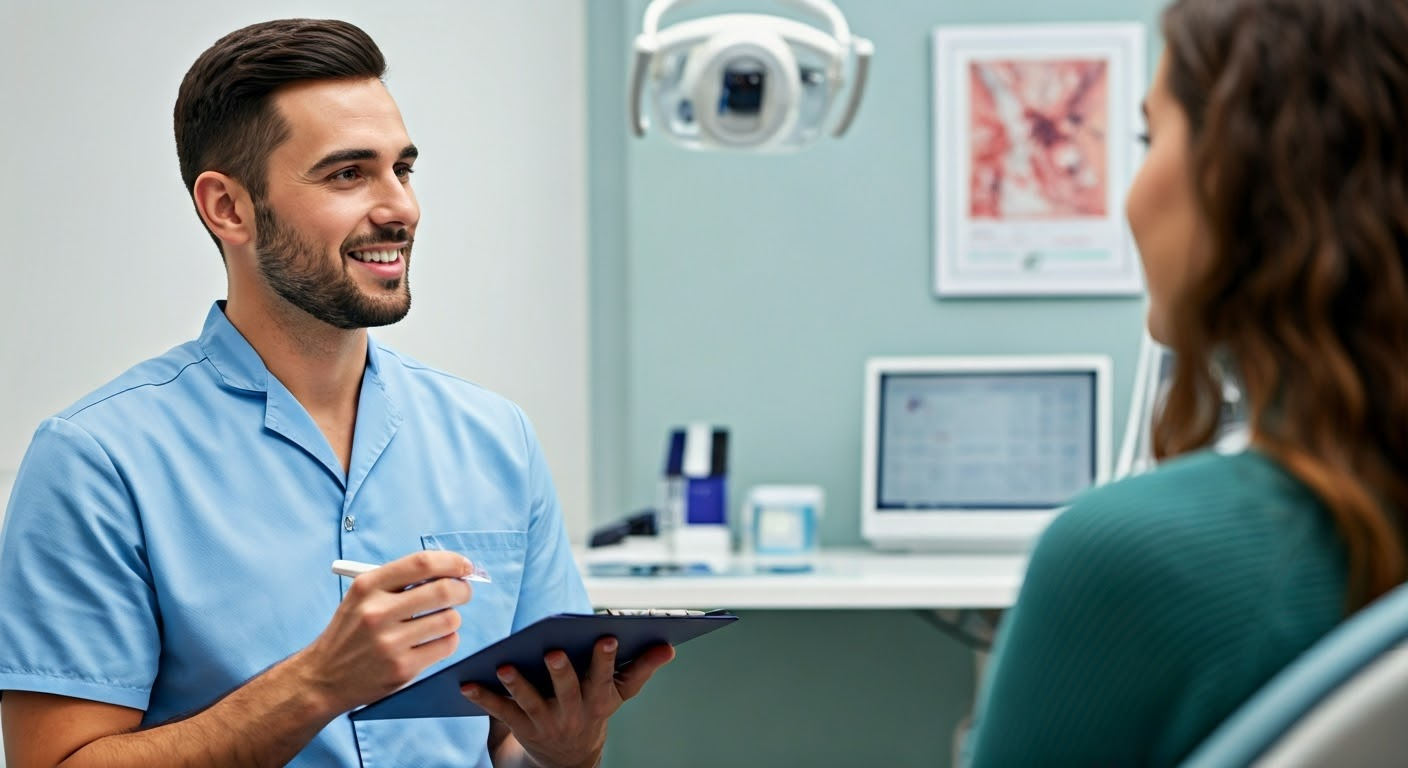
(354, 568)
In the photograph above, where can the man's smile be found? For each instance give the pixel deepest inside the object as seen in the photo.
(383, 255)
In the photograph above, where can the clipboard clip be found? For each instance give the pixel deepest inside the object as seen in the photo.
(658, 612)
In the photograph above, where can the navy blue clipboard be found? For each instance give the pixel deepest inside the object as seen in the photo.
(575, 633)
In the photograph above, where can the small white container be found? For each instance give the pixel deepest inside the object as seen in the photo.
(780, 526)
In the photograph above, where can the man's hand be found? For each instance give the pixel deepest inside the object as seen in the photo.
(569, 730)
(384, 634)
(379, 639)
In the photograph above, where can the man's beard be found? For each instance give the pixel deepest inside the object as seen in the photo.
(299, 271)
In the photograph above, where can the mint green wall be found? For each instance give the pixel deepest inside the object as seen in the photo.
(608, 417)
(747, 291)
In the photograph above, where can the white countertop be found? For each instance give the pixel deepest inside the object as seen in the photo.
(846, 578)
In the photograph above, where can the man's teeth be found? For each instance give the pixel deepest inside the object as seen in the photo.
(378, 256)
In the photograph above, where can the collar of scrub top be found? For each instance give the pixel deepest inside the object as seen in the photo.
(237, 362)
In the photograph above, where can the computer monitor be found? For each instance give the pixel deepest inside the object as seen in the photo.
(979, 452)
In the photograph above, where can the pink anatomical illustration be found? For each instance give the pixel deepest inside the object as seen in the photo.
(1038, 138)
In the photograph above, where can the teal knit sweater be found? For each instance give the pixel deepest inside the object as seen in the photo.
(1152, 608)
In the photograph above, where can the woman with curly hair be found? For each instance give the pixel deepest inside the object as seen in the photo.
(1271, 215)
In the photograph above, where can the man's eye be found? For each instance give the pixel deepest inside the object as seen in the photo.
(347, 174)
(404, 172)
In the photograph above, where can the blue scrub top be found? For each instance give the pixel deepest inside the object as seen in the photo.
(170, 535)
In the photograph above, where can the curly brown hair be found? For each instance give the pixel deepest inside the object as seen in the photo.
(1297, 112)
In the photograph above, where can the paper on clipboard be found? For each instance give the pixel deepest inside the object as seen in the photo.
(574, 633)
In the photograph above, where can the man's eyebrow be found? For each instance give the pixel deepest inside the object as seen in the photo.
(341, 156)
(349, 155)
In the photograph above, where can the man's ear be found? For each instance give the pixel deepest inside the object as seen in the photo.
(225, 207)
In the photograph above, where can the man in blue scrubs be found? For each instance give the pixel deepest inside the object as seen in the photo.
(166, 553)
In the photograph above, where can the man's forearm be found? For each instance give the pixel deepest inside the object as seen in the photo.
(267, 721)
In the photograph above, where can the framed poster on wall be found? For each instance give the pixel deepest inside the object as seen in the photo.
(1036, 133)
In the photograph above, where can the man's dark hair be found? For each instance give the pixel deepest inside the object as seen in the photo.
(225, 118)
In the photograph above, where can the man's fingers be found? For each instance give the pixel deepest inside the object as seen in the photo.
(403, 667)
(499, 707)
(564, 679)
(417, 567)
(524, 694)
(432, 596)
(635, 675)
(423, 629)
(428, 653)
(601, 674)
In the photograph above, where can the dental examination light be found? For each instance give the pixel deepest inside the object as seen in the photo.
(744, 81)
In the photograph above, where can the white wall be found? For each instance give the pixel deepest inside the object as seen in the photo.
(105, 262)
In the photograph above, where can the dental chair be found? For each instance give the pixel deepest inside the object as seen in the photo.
(1342, 703)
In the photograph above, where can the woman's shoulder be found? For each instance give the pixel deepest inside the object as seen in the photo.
(1204, 488)
(1201, 516)
(1175, 593)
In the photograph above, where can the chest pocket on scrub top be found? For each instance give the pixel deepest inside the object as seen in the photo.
(489, 615)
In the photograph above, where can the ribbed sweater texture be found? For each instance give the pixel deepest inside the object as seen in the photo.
(1152, 608)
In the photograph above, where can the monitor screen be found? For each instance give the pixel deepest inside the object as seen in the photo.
(1004, 440)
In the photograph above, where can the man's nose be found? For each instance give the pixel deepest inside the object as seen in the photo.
(395, 205)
